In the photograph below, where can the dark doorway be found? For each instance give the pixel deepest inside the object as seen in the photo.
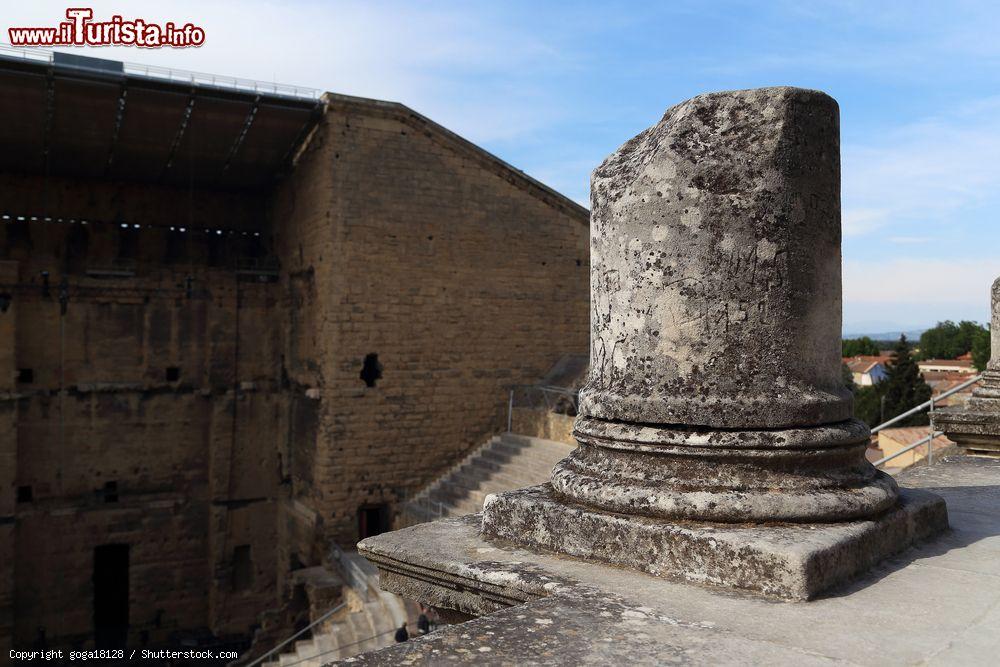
(373, 520)
(111, 595)
(242, 568)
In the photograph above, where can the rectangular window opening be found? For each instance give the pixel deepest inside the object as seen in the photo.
(110, 492)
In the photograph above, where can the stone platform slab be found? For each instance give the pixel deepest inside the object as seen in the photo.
(937, 603)
(792, 561)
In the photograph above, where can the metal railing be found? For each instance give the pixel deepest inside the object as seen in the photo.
(298, 634)
(30, 53)
(355, 576)
(178, 75)
(420, 509)
(551, 397)
(358, 642)
(929, 438)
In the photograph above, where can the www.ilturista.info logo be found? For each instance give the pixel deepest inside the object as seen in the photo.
(81, 30)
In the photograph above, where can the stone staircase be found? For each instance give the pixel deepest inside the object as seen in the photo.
(507, 461)
(369, 622)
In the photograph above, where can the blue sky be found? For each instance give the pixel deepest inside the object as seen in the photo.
(553, 87)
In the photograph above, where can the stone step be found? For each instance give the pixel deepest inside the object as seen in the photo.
(539, 444)
(468, 506)
(476, 478)
(514, 471)
(524, 462)
(370, 628)
(451, 496)
(306, 653)
(556, 450)
(326, 648)
(519, 466)
(515, 448)
(452, 492)
(509, 461)
(515, 474)
(396, 608)
(358, 631)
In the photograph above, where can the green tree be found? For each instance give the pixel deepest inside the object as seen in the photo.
(967, 333)
(948, 340)
(938, 342)
(847, 376)
(981, 349)
(903, 387)
(853, 347)
(868, 404)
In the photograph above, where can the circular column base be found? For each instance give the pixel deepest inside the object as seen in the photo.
(816, 474)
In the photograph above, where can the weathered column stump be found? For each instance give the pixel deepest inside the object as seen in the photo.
(976, 426)
(716, 438)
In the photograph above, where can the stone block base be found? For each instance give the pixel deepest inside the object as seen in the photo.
(975, 430)
(790, 561)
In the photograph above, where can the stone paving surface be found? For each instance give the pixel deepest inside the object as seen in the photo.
(937, 603)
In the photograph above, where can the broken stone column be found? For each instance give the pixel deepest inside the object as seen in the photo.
(976, 426)
(715, 406)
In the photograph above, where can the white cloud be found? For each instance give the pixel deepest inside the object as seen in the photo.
(923, 173)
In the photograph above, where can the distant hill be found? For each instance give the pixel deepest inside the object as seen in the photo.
(912, 335)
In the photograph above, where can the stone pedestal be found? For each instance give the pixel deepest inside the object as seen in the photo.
(976, 426)
(538, 607)
(715, 398)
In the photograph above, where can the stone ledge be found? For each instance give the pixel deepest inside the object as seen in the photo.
(789, 561)
(586, 613)
(972, 427)
(470, 589)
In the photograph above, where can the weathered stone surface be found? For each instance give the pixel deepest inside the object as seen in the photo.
(816, 474)
(393, 236)
(976, 425)
(793, 561)
(715, 391)
(934, 604)
(715, 266)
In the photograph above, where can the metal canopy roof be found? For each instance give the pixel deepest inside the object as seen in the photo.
(69, 115)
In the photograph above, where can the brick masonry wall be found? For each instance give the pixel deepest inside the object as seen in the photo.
(8, 457)
(543, 423)
(460, 280)
(193, 459)
(394, 238)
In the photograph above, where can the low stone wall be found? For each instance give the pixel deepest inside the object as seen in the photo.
(541, 423)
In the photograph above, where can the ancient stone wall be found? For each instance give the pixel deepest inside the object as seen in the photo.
(8, 454)
(415, 247)
(175, 395)
(543, 423)
(121, 420)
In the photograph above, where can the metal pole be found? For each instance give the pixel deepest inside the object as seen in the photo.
(297, 634)
(923, 406)
(930, 443)
(510, 410)
(908, 448)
